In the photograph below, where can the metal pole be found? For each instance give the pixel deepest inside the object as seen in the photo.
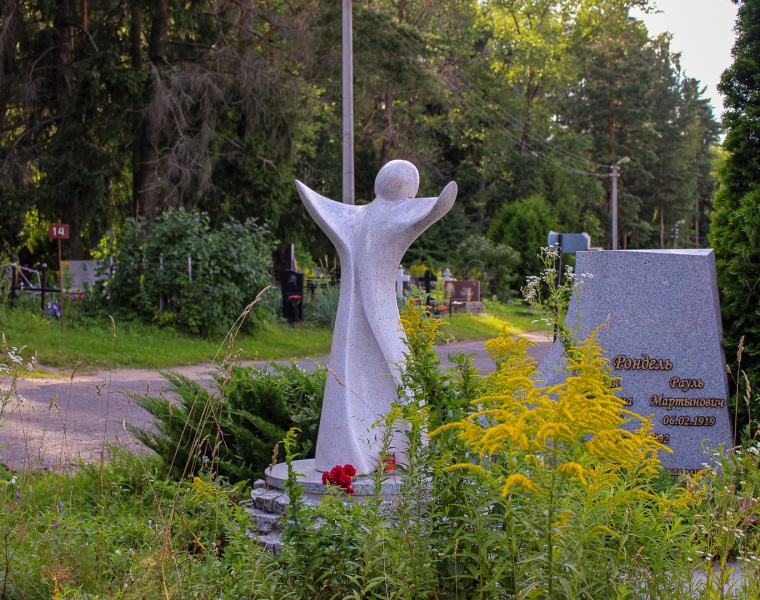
(559, 283)
(161, 303)
(42, 287)
(615, 171)
(14, 278)
(348, 106)
(60, 280)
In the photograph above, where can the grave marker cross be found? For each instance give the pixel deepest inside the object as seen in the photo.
(429, 279)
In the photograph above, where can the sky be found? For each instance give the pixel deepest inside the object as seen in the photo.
(703, 32)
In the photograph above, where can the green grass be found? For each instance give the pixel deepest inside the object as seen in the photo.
(516, 317)
(92, 344)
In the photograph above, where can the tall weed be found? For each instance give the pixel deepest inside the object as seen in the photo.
(322, 306)
(519, 490)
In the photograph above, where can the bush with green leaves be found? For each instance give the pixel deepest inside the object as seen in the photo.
(229, 267)
(735, 227)
(512, 489)
(119, 529)
(725, 500)
(524, 225)
(481, 258)
(231, 425)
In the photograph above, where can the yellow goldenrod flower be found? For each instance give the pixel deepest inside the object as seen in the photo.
(517, 479)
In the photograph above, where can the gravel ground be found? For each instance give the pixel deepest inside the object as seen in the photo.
(67, 418)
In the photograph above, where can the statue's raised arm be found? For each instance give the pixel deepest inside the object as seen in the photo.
(439, 207)
(334, 218)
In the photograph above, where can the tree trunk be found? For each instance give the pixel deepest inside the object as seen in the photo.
(135, 39)
(159, 33)
(13, 22)
(65, 50)
(135, 33)
(611, 140)
(84, 18)
(146, 171)
(245, 23)
(69, 208)
(662, 206)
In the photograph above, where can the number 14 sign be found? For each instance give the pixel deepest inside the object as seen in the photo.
(58, 231)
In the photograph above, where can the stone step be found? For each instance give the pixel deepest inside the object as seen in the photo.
(265, 522)
(275, 501)
(271, 542)
(269, 500)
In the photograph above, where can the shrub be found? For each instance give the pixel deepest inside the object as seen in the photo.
(497, 259)
(230, 426)
(119, 530)
(726, 508)
(323, 306)
(524, 225)
(735, 226)
(230, 266)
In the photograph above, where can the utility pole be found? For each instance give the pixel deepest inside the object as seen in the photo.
(675, 232)
(615, 172)
(348, 105)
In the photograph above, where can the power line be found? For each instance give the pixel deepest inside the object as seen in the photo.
(512, 119)
(515, 121)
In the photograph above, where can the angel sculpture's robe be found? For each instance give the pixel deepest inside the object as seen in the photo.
(367, 348)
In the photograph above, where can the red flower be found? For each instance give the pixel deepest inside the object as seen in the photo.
(389, 463)
(340, 477)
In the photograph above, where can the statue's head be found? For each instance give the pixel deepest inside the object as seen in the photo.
(397, 180)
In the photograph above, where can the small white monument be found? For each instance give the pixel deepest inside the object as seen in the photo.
(367, 342)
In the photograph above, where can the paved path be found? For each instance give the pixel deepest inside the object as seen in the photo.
(70, 418)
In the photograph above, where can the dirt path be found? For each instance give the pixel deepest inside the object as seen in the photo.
(62, 420)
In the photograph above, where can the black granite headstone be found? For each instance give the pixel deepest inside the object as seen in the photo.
(292, 295)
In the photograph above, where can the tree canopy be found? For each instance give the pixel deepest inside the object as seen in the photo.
(116, 109)
(736, 231)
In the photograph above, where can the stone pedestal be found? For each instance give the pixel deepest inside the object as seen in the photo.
(311, 480)
(269, 501)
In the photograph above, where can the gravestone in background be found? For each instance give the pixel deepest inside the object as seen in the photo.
(78, 274)
(292, 295)
(462, 291)
(663, 341)
(283, 259)
(408, 284)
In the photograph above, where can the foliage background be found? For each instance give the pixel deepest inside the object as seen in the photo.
(230, 267)
(736, 233)
(111, 110)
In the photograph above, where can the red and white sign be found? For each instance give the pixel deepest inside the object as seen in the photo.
(58, 231)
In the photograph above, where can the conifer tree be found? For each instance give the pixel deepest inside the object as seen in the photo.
(736, 225)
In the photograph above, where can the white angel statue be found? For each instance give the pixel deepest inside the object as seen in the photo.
(367, 347)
